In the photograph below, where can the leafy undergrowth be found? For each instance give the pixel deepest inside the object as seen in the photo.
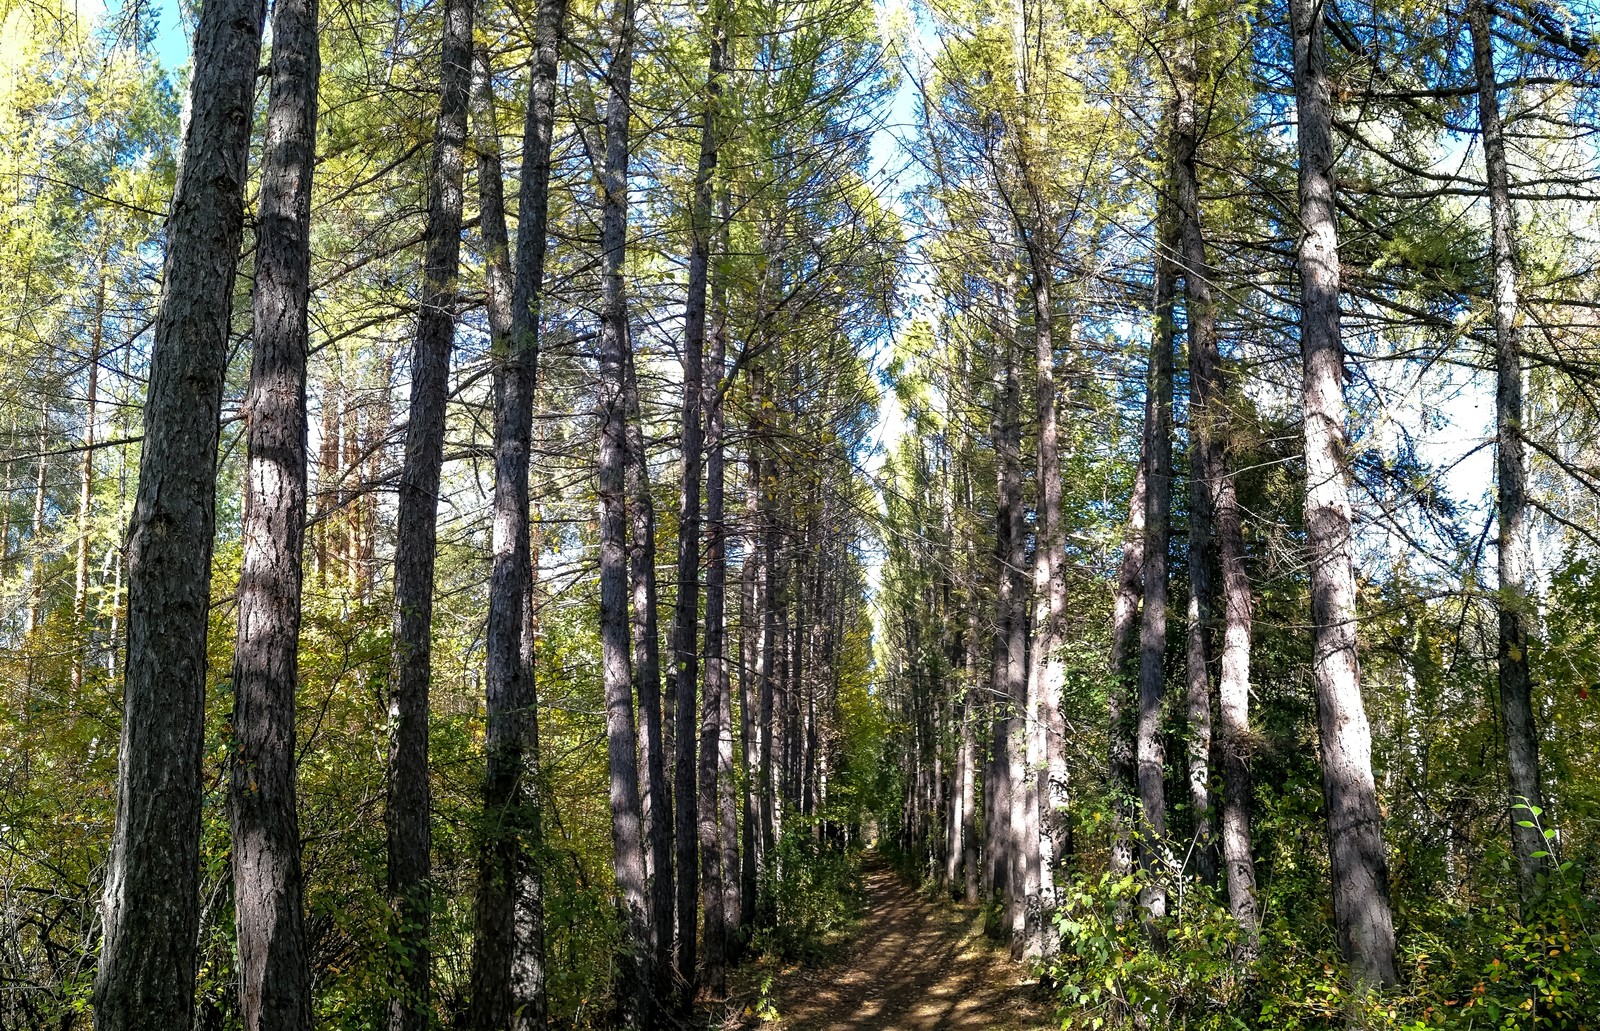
(1482, 969)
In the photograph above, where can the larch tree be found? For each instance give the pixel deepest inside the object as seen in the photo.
(275, 989)
(501, 998)
(1516, 598)
(635, 957)
(408, 812)
(1355, 825)
(151, 915)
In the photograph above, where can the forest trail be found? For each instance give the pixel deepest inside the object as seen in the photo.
(915, 965)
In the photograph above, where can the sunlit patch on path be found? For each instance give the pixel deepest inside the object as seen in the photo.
(915, 965)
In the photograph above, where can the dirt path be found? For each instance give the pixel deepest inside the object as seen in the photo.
(914, 966)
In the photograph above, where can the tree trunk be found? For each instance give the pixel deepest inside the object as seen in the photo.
(80, 589)
(696, 816)
(530, 1005)
(1153, 847)
(407, 813)
(529, 974)
(7, 485)
(771, 599)
(1121, 698)
(1050, 582)
(719, 825)
(1205, 457)
(324, 544)
(1355, 829)
(657, 803)
(972, 710)
(514, 297)
(955, 814)
(792, 745)
(635, 956)
(1516, 602)
(1010, 643)
(751, 605)
(36, 529)
(274, 971)
(151, 912)
(1215, 487)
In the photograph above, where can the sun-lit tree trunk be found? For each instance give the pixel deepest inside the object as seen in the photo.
(322, 530)
(7, 485)
(151, 913)
(634, 957)
(1516, 599)
(955, 808)
(772, 596)
(407, 813)
(1355, 827)
(1049, 582)
(274, 969)
(795, 672)
(494, 909)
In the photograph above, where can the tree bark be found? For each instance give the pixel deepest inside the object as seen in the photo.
(407, 814)
(529, 973)
(1209, 425)
(771, 599)
(151, 911)
(972, 711)
(750, 631)
(1516, 601)
(1205, 457)
(514, 296)
(696, 815)
(1122, 692)
(657, 802)
(1153, 846)
(274, 970)
(635, 955)
(1355, 828)
(1010, 643)
(716, 601)
(80, 588)
(36, 526)
(719, 828)
(1045, 773)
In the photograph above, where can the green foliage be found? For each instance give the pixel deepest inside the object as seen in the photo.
(1480, 968)
(816, 893)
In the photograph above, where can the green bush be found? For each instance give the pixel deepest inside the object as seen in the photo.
(1480, 969)
(815, 894)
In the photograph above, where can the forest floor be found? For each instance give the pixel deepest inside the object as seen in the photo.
(915, 964)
